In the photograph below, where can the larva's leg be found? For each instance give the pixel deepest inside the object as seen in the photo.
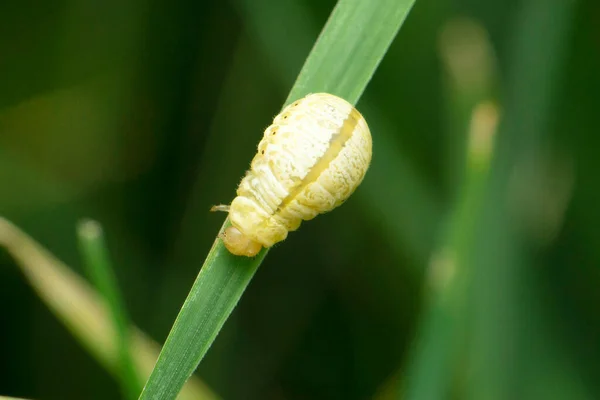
(220, 207)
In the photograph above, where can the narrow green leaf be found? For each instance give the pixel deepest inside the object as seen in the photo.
(342, 62)
(215, 293)
(350, 47)
(93, 249)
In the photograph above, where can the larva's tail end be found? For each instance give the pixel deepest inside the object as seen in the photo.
(220, 207)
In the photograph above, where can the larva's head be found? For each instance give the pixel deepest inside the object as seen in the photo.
(239, 244)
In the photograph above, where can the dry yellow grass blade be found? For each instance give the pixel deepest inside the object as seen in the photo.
(81, 309)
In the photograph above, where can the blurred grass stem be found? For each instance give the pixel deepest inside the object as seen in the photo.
(95, 254)
(82, 310)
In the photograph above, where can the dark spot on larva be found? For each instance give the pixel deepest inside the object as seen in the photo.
(262, 152)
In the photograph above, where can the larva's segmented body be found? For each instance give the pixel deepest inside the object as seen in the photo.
(309, 161)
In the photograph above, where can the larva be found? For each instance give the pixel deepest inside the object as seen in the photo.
(309, 161)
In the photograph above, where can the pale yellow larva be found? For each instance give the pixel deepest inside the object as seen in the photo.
(310, 160)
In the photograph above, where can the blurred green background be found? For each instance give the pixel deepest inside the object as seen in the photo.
(143, 114)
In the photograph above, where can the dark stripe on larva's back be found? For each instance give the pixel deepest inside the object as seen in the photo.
(336, 144)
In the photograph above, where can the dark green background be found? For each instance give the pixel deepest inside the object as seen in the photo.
(144, 113)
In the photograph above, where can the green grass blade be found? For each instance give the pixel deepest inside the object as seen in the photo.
(95, 254)
(350, 47)
(215, 293)
(342, 62)
(82, 310)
